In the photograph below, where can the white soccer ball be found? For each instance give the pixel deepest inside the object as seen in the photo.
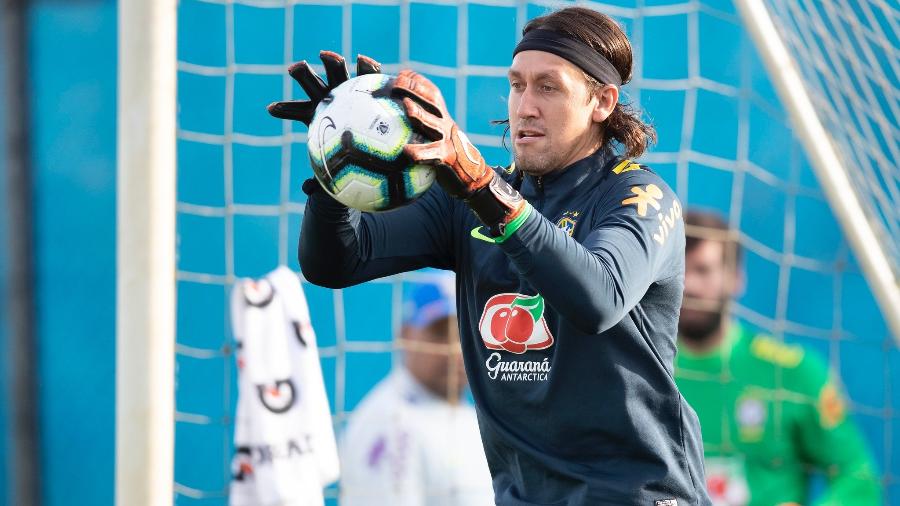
(355, 146)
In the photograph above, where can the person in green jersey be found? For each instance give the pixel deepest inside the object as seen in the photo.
(770, 413)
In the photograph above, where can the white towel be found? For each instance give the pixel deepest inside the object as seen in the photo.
(285, 451)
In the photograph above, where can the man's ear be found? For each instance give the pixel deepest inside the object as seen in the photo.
(740, 283)
(735, 281)
(607, 98)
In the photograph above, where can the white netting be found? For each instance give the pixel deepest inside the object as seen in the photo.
(724, 144)
(849, 56)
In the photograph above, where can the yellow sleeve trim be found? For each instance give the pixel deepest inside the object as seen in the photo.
(770, 350)
(625, 166)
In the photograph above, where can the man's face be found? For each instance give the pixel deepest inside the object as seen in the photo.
(552, 114)
(710, 280)
(434, 357)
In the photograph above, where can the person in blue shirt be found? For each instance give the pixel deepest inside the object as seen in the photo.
(569, 265)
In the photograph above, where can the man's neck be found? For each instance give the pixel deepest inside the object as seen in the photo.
(574, 159)
(591, 145)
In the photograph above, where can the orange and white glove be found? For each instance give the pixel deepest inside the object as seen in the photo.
(460, 168)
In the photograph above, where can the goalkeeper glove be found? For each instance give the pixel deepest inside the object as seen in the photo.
(460, 168)
(316, 89)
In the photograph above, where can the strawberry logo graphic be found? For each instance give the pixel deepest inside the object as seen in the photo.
(515, 323)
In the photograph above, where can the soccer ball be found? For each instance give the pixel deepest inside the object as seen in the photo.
(355, 146)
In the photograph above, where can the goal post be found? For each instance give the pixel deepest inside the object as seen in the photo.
(145, 277)
(825, 160)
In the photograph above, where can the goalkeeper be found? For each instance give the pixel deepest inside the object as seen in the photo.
(569, 270)
(770, 412)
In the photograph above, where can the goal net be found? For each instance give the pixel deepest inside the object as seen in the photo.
(726, 143)
(847, 55)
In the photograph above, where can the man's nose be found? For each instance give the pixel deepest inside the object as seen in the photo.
(691, 285)
(528, 105)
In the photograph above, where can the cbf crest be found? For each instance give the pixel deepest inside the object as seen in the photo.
(568, 221)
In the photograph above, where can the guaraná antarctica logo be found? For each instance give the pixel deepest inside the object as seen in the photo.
(515, 323)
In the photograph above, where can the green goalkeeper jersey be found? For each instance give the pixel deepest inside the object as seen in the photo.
(771, 413)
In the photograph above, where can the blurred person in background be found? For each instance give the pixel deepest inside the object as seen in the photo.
(414, 439)
(770, 413)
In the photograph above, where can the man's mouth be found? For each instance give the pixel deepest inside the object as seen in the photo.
(525, 136)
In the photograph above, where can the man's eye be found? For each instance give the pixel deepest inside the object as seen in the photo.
(515, 85)
(546, 88)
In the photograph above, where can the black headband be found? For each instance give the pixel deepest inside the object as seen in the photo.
(580, 54)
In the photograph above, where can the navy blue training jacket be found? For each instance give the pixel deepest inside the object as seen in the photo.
(568, 327)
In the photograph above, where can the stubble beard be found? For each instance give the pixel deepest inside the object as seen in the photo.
(537, 164)
(700, 326)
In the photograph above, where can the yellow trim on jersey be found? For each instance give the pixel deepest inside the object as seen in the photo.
(770, 350)
(625, 166)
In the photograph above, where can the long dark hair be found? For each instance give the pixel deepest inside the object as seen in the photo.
(603, 34)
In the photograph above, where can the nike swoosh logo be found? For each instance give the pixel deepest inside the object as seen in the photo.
(324, 125)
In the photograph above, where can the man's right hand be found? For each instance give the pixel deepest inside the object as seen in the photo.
(316, 89)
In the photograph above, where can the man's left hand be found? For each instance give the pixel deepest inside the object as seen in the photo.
(462, 171)
(460, 168)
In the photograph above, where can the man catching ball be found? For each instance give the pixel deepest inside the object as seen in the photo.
(569, 264)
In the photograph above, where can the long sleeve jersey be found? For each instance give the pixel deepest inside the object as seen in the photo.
(770, 414)
(567, 327)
